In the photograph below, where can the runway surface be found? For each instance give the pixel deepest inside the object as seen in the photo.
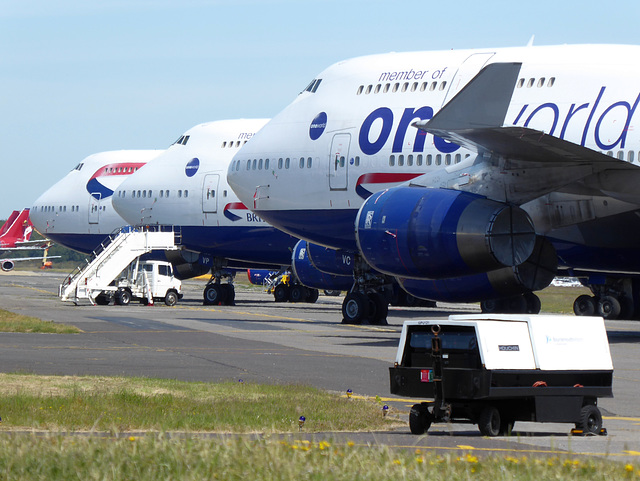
(259, 340)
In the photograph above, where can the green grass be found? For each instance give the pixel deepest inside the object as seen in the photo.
(559, 300)
(154, 457)
(129, 404)
(11, 322)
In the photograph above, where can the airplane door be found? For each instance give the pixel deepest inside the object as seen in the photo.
(210, 193)
(467, 70)
(339, 161)
(94, 207)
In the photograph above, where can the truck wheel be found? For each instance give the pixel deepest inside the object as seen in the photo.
(419, 419)
(489, 421)
(123, 297)
(590, 419)
(584, 306)
(281, 293)
(171, 299)
(102, 300)
(354, 308)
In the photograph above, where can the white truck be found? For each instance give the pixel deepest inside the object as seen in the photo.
(147, 282)
(494, 370)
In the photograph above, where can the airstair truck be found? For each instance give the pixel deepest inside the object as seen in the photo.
(494, 370)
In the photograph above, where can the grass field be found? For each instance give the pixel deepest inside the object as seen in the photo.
(10, 322)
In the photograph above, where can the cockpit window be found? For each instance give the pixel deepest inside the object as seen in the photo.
(313, 86)
(79, 166)
(182, 140)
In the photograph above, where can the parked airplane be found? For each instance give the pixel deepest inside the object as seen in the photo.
(469, 175)
(76, 211)
(15, 235)
(186, 187)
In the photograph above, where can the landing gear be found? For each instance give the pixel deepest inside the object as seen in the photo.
(217, 293)
(612, 299)
(368, 301)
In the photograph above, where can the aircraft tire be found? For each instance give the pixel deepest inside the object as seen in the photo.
(230, 294)
(584, 305)
(533, 303)
(313, 296)
(355, 308)
(380, 309)
(214, 295)
(281, 293)
(297, 293)
(609, 307)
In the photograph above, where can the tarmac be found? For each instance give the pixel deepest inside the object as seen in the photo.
(258, 340)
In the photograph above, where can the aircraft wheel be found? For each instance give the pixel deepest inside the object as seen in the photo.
(214, 295)
(590, 420)
(281, 293)
(489, 421)
(609, 307)
(584, 305)
(419, 419)
(123, 297)
(355, 308)
(490, 306)
(171, 299)
(229, 294)
(297, 293)
(380, 309)
(313, 296)
(331, 292)
(516, 305)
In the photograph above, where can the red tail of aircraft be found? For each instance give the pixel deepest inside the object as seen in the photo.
(16, 230)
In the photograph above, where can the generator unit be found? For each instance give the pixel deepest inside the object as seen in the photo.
(494, 370)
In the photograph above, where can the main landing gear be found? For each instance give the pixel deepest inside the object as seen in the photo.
(368, 300)
(611, 299)
(217, 293)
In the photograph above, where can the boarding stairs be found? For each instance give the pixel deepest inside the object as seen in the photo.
(112, 257)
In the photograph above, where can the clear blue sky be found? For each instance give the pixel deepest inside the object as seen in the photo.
(85, 76)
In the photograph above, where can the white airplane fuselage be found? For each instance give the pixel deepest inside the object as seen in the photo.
(362, 126)
(76, 211)
(186, 187)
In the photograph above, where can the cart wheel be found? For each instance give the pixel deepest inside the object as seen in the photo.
(590, 420)
(506, 427)
(419, 419)
(489, 421)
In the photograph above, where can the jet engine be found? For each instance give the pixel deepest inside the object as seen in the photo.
(6, 265)
(427, 233)
(338, 262)
(534, 274)
(310, 276)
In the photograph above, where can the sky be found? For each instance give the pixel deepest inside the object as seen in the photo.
(84, 76)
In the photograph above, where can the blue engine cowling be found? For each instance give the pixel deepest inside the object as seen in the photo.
(337, 262)
(534, 274)
(439, 233)
(309, 276)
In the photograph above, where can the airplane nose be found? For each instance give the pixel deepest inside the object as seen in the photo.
(124, 201)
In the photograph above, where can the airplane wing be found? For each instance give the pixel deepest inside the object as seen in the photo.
(475, 118)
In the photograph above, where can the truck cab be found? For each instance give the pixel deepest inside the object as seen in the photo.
(148, 282)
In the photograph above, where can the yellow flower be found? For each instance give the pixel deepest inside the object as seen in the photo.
(351, 444)
(396, 461)
(628, 468)
(132, 438)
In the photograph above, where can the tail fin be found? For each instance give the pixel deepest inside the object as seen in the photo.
(8, 223)
(18, 227)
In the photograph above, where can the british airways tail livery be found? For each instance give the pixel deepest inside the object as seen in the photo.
(76, 211)
(471, 175)
(186, 187)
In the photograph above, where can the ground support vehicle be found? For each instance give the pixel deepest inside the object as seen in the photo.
(494, 370)
(148, 282)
